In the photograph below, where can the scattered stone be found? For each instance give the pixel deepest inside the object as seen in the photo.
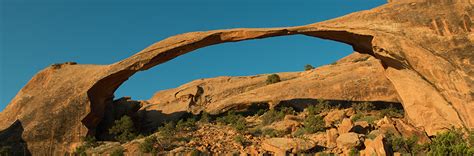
(375, 147)
(349, 140)
(345, 126)
(331, 136)
(280, 146)
(333, 116)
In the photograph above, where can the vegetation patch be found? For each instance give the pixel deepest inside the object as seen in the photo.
(308, 67)
(273, 78)
(277, 114)
(123, 129)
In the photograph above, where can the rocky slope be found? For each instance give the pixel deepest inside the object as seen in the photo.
(425, 48)
(357, 77)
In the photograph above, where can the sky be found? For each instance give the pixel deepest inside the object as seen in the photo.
(35, 34)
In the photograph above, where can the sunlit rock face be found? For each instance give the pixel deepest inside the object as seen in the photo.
(424, 48)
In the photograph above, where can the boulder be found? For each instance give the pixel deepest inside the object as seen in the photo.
(334, 116)
(349, 140)
(375, 147)
(345, 126)
(331, 136)
(286, 126)
(280, 146)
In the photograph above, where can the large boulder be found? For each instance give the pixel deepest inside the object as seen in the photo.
(281, 146)
(424, 48)
(349, 140)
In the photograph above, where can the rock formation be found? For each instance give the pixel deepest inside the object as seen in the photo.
(424, 46)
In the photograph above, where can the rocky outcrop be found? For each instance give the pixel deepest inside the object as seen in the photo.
(342, 81)
(425, 48)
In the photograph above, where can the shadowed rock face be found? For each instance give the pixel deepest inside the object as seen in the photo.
(425, 48)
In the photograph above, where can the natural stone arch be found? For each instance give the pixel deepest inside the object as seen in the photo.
(62, 103)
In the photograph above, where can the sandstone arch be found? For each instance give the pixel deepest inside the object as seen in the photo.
(434, 81)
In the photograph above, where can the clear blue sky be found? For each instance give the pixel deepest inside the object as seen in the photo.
(37, 33)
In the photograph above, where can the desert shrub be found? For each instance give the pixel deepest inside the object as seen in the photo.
(234, 120)
(88, 142)
(277, 114)
(80, 151)
(404, 145)
(299, 132)
(5, 150)
(205, 118)
(240, 125)
(321, 106)
(308, 67)
(270, 132)
(167, 130)
(230, 118)
(123, 129)
(371, 136)
(369, 118)
(240, 139)
(313, 124)
(450, 142)
(186, 124)
(150, 145)
(118, 152)
(391, 112)
(363, 107)
(273, 78)
(354, 152)
(356, 117)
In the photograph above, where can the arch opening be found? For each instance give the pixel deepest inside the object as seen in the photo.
(160, 54)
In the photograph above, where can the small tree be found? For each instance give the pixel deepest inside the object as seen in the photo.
(313, 124)
(123, 129)
(308, 67)
(273, 78)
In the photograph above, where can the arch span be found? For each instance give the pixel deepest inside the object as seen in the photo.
(434, 83)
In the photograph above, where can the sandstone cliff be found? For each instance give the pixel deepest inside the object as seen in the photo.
(425, 48)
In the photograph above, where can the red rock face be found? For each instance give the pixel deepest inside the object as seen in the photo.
(425, 48)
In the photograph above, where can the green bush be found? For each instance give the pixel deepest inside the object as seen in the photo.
(205, 118)
(363, 107)
(123, 129)
(88, 142)
(236, 121)
(168, 129)
(118, 152)
(186, 124)
(273, 78)
(321, 106)
(150, 145)
(308, 67)
(391, 112)
(80, 151)
(313, 124)
(240, 125)
(354, 152)
(369, 118)
(240, 140)
(299, 132)
(404, 145)
(277, 114)
(450, 142)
